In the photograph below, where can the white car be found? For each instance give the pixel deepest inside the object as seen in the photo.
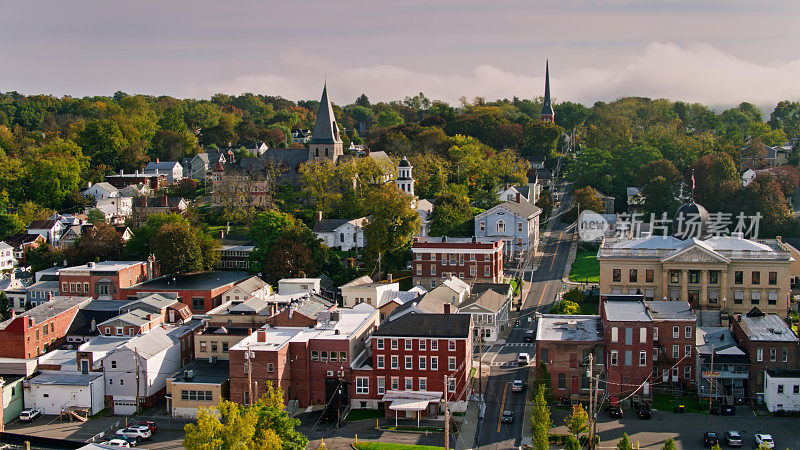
(117, 443)
(29, 415)
(523, 359)
(136, 432)
(765, 440)
(517, 386)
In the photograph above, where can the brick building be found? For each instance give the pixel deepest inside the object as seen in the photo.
(563, 344)
(141, 316)
(472, 261)
(674, 328)
(39, 329)
(628, 338)
(104, 280)
(202, 291)
(769, 343)
(409, 356)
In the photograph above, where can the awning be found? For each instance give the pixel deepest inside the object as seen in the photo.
(409, 405)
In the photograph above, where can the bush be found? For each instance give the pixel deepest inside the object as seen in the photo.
(575, 295)
(584, 440)
(558, 439)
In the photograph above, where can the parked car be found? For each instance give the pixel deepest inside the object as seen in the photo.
(615, 412)
(733, 438)
(644, 412)
(133, 442)
(153, 426)
(727, 410)
(507, 416)
(529, 337)
(765, 440)
(117, 443)
(29, 415)
(523, 359)
(135, 432)
(710, 439)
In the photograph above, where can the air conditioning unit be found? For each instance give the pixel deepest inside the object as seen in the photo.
(341, 373)
(188, 374)
(330, 373)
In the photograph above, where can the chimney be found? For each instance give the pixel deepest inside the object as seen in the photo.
(93, 325)
(121, 172)
(447, 308)
(157, 161)
(518, 196)
(319, 216)
(49, 296)
(90, 264)
(388, 277)
(261, 335)
(221, 234)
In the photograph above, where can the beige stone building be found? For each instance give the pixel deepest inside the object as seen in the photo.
(728, 273)
(200, 383)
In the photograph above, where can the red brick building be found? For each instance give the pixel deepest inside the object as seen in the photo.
(770, 345)
(628, 338)
(39, 329)
(563, 344)
(104, 280)
(202, 291)
(410, 357)
(674, 328)
(472, 261)
(144, 314)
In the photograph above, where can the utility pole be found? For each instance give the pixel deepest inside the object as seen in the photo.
(446, 418)
(592, 400)
(136, 354)
(249, 378)
(711, 380)
(480, 361)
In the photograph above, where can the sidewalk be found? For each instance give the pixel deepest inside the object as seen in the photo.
(469, 426)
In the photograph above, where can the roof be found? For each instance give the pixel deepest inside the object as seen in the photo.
(502, 288)
(625, 311)
(103, 266)
(19, 239)
(562, 327)
(161, 165)
(82, 323)
(137, 317)
(327, 225)
(105, 185)
(193, 281)
(489, 299)
(769, 327)
(252, 284)
(48, 310)
(150, 344)
(632, 190)
(358, 281)
(670, 310)
(204, 372)
(66, 378)
(718, 339)
(103, 344)
(522, 208)
(156, 301)
(42, 224)
(426, 325)
(547, 108)
(325, 128)
(404, 162)
(783, 373)
(158, 202)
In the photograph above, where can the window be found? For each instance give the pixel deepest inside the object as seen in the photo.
(694, 276)
(323, 355)
(381, 361)
(674, 276)
(687, 332)
(270, 367)
(198, 303)
(435, 344)
(655, 333)
(562, 381)
(433, 270)
(676, 332)
(738, 277)
(780, 389)
(755, 297)
(86, 286)
(687, 350)
(648, 275)
(409, 384)
(616, 275)
(655, 354)
(642, 358)
(676, 351)
(628, 336)
(409, 362)
(451, 345)
(451, 363)
(395, 383)
(214, 347)
(713, 277)
(423, 384)
(246, 397)
(394, 362)
(362, 385)
(434, 363)
(422, 361)
(203, 346)
(756, 277)
(628, 358)
(487, 271)
(381, 381)
(113, 364)
(785, 355)
(483, 226)
(110, 381)
(334, 356)
(796, 389)
(120, 331)
(409, 344)
(394, 344)
(314, 355)
(614, 334)
(63, 287)
(642, 335)
(759, 354)
(379, 344)
(633, 275)
(451, 385)
(224, 347)
(419, 269)
(184, 395)
(773, 354)
(687, 372)
(773, 278)
(422, 344)
(613, 358)
(501, 226)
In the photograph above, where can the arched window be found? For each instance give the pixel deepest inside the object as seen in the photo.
(341, 237)
(501, 226)
(316, 152)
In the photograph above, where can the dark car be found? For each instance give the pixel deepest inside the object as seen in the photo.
(710, 439)
(507, 416)
(727, 410)
(150, 424)
(644, 412)
(528, 336)
(615, 412)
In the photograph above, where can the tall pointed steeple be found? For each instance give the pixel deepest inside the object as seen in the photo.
(547, 109)
(325, 139)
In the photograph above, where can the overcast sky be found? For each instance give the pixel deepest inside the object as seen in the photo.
(719, 52)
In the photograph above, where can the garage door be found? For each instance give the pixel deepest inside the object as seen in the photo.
(124, 407)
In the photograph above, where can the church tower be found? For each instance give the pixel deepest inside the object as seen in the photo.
(405, 182)
(325, 140)
(547, 109)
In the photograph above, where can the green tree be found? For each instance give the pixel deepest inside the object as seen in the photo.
(140, 245)
(389, 118)
(169, 145)
(96, 216)
(102, 243)
(392, 225)
(565, 307)
(545, 202)
(710, 172)
(577, 422)
(660, 197)
(575, 295)
(5, 306)
(571, 443)
(589, 199)
(9, 224)
(540, 420)
(451, 216)
(669, 444)
(624, 443)
(178, 249)
(285, 247)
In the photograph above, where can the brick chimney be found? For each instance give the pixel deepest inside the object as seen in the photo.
(319, 216)
(388, 277)
(261, 335)
(447, 308)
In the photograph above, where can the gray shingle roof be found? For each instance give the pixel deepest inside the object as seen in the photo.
(325, 129)
(769, 327)
(625, 311)
(560, 327)
(666, 310)
(328, 225)
(426, 325)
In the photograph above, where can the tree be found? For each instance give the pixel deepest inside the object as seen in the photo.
(589, 199)
(389, 118)
(451, 216)
(285, 247)
(565, 307)
(764, 196)
(169, 145)
(624, 443)
(660, 196)
(9, 224)
(96, 216)
(571, 443)
(392, 225)
(710, 172)
(545, 202)
(575, 295)
(669, 444)
(177, 248)
(578, 421)
(5, 306)
(540, 420)
(102, 243)
(140, 245)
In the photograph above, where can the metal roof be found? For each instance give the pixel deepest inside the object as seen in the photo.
(563, 327)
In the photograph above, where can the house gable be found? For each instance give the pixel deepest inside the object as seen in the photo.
(695, 253)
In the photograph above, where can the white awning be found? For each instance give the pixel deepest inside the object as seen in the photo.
(409, 405)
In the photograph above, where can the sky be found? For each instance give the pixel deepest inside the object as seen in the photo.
(717, 52)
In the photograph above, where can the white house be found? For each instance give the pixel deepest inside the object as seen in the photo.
(344, 234)
(154, 355)
(172, 169)
(424, 209)
(364, 290)
(56, 392)
(114, 208)
(747, 176)
(515, 221)
(100, 191)
(289, 286)
(51, 229)
(247, 289)
(7, 259)
(489, 304)
(529, 192)
(782, 390)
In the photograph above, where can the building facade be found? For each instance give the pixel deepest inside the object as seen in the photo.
(515, 221)
(434, 258)
(103, 280)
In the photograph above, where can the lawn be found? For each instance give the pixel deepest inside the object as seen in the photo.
(361, 414)
(665, 402)
(585, 269)
(387, 446)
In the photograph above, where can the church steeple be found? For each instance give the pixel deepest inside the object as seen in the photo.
(547, 109)
(325, 139)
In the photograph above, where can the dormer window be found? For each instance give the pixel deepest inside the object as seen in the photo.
(501, 226)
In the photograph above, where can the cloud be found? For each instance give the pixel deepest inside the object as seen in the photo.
(695, 72)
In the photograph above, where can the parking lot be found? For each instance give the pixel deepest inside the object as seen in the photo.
(688, 429)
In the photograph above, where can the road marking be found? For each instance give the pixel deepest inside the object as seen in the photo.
(558, 241)
(502, 404)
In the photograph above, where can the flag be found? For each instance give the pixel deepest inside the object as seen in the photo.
(692, 180)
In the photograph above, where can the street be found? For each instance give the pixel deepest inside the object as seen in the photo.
(504, 369)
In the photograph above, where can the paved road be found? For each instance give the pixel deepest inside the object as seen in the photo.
(498, 395)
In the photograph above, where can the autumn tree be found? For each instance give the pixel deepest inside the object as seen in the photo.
(101, 243)
(578, 421)
(589, 199)
(391, 226)
(452, 215)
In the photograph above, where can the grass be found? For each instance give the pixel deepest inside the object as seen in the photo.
(664, 402)
(412, 428)
(585, 269)
(362, 414)
(387, 446)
